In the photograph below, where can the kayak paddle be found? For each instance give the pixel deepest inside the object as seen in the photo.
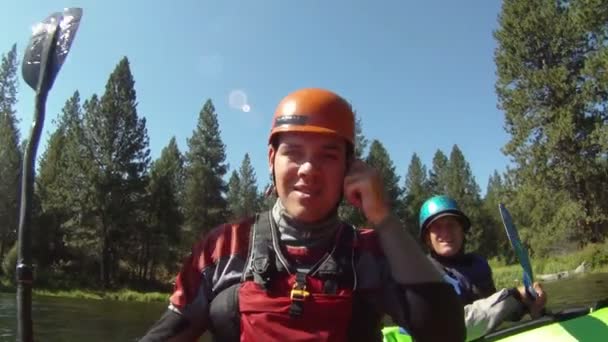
(47, 49)
(520, 250)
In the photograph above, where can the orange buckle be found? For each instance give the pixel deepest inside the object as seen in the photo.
(299, 294)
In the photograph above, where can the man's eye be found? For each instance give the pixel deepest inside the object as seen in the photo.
(292, 153)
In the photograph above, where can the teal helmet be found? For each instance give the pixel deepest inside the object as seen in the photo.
(440, 206)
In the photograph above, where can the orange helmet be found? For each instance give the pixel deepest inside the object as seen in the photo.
(314, 110)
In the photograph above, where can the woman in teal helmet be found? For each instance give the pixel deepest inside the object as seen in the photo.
(443, 227)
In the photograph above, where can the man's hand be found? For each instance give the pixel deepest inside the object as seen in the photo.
(535, 306)
(364, 189)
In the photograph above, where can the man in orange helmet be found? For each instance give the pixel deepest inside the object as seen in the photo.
(297, 272)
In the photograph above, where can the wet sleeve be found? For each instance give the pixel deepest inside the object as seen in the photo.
(484, 315)
(187, 317)
(416, 295)
(170, 327)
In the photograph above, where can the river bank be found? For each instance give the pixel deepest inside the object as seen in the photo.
(125, 295)
(595, 257)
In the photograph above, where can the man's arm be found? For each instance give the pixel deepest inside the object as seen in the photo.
(187, 317)
(427, 307)
(484, 315)
(174, 327)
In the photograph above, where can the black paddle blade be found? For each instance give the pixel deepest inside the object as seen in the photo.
(51, 41)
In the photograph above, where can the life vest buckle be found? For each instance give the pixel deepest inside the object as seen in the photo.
(299, 293)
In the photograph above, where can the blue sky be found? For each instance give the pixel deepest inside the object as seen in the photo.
(420, 73)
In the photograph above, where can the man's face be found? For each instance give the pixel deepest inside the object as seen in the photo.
(309, 171)
(445, 236)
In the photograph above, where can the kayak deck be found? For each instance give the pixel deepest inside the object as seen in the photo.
(592, 327)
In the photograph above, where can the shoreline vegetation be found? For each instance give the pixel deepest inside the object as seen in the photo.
(125, 295)
(595, 257)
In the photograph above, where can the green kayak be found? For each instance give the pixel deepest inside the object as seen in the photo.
(569, 325)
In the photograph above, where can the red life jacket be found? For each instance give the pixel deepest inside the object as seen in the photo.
(275, 302)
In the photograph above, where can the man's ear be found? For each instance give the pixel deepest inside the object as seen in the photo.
(271, 154)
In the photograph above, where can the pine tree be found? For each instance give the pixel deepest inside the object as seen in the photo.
(204, 204)
(361, 141)
(160, 239)
(249, 188)
(437, 178)
(57, 183)
(233, 196)
(10, 153)
(461, 186)
(551, 61)
(379, 158)
(346, 211)
(242, 196)
(416, 191)
(497, 193)
(116, 139)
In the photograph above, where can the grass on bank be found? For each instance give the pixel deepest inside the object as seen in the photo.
(126, 295)
(596, 256)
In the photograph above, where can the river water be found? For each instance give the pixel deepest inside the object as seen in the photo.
(65, 319)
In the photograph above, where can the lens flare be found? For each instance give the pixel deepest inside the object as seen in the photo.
(237, 99)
